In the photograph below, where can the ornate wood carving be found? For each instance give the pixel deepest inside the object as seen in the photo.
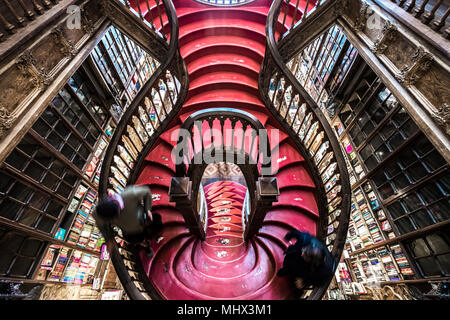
(361, 20)
(23, 79)
(386, 38)
(420, 63)
(424, 75)
(401, 54)
(6, 120)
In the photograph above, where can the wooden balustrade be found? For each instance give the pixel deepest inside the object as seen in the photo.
(305, 123)
(156, 104)
(241, 125)
(242, 140)
(15, 14)
(433, 13)
(151, 12)
(290, 16)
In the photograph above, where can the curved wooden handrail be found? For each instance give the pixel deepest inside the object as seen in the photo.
(135, 135)
(309, 129)
(234, 116)
(247, 161)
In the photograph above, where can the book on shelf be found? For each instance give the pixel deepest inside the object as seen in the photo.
(381, 215)
(407, 271)
(385, 226)
(81, 191)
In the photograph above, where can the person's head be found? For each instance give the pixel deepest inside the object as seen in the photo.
(313, 255)
(108, 208)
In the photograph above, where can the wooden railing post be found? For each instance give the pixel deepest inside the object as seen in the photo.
(181, 193)
(266, 194)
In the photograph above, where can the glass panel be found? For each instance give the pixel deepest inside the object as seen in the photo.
(21, 267)
(429, 266)
(404, 225)
(421, 218)
(31, 248)
(444, 261)
(437, 243)
(419, 248)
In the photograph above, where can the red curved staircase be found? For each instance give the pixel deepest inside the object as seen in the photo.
(223, 48)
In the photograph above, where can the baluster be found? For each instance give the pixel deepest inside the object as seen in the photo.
(211, 124)
(325, 162)
(222, 130)
(149, 13)
(127, 4)
(173, 80)
(401, 3)
(121, 156)
(290, 104)
(145, 136)
(276, 81)
(119, 176)
(305, 13)
(250, 151)
(428, 16)
(233, 124)
(162, 101)
(133, 132)
(317, 141)
(281, 100)
(313, 136)
(160, 18)
(38, 8)
(29, 14)
(138, 2)
(309, 132)
(132, 151)
(147, 115)
(8, 26)
(302, 125)
(169, 93)
(296, 112)
(121, 166)
(125, 155)
(244, 129)
(441, 22)
(409, 6)
(418, 11)
(295, 15)
(284, 18)
(301, 117)
(20, 20)
(154, 108)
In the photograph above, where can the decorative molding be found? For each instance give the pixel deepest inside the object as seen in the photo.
(68, 48)
(6, 121)
(340, 7)
(387, 37)
(107, 8)
(87, 24)
(442, 117)
(420, 63)
(364, 14)
(26, 63)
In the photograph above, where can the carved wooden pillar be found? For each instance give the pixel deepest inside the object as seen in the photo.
(267, 193)
(181, 193)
